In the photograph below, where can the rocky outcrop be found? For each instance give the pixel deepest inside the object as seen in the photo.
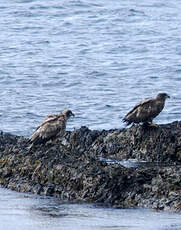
(138, 166)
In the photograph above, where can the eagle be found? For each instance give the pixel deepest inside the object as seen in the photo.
(146, 110)
(53, 125)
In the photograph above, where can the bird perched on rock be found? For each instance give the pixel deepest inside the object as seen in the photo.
(146, 110)
(53, 125)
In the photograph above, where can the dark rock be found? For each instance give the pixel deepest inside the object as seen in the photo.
(72, 168)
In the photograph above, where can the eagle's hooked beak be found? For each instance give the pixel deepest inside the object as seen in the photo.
(168, 96)
(73, 115)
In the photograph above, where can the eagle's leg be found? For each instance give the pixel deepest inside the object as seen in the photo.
(151, 124)
(51, 142)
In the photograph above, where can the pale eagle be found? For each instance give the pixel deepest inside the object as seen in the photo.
(146, 110)
(53, 125)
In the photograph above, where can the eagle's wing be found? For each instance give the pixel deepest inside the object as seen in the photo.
(143, 103)
(140, 112)
(49, 118)
(50, 127)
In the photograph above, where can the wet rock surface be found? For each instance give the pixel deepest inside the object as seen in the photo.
(73, 169)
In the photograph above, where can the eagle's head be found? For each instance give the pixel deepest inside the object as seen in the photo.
(162, 96)
(67, 113)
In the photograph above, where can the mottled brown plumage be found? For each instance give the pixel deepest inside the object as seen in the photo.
(146, 110)
(53, 125)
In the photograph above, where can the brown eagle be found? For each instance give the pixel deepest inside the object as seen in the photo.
(52, 126)
(146, 110)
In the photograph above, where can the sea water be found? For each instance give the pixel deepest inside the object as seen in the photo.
(30, 212)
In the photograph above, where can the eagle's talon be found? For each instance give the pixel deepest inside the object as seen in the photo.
(153, 125)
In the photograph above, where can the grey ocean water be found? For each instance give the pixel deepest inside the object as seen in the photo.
(29, 212)
(97, 58)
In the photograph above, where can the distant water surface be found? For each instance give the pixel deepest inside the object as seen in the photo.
(98, 58)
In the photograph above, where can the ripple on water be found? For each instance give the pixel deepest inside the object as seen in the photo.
(85, 55)
(38, 212)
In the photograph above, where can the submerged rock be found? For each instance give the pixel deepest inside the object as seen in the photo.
(73, 169)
